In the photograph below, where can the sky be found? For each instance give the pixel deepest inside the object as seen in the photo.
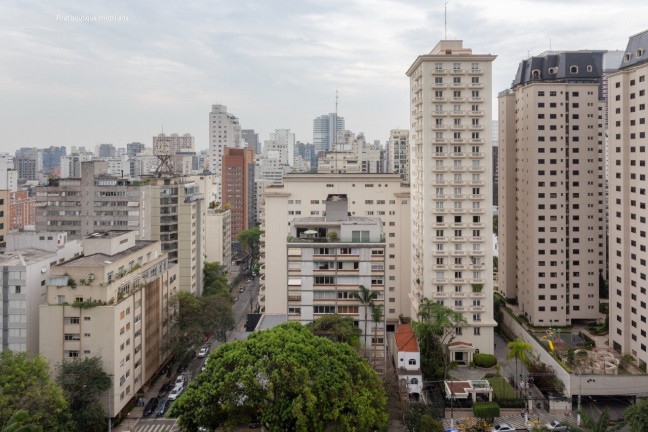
(87, 72)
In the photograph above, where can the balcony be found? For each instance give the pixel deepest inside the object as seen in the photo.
(439, 71)
(458, 113)
(439, 113)
(475, 113)
(457, 71)
(476, 71)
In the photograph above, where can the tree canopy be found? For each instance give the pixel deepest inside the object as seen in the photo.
(26, 384)
(249, 240)
(215, 280)
(197, 316)
(636, 416)
(337, 328)
(20, 421)
(83, 382)
(288, 379)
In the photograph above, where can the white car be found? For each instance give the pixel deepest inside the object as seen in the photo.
(556, 426)
(503, 427)
(175, 393)
(203, 352)
(179, 381)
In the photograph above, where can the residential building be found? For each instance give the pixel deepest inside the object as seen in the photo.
(551, 190)
(325, 129)
(24, 270)
(450, 176)
(70, 165)
(174, 143)
(405, 353)
(28, 162)
(251, 139)
(105, 151)
(5, 215)
(8, 174)
(627, 236)
(52, 158)
(224, 131)
(177, 210)
(218, 227)
(382, 196)
(285, 140)
(93, 202)
(22, 210)
(113, 302)
(398, 156)
(329, 259)
(238, 188)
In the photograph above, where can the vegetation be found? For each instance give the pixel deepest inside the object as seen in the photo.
(591, 425)
(475, 425)
(195, 317)
(25, 384)
(433, 329)
(501, 388)
(518, 350)
(287, 379)
(336, 328)
(366, 297)
(83, 382)
(545, 378)
(486, 410)
(249, 240)
(86, 304)
(20, 421)
(636, 416)
(215, 280)
(419, 418)
(484, 360)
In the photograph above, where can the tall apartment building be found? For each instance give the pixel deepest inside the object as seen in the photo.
(325, 129)
(24, 271)
(224, 131)
(251, 139)
(113, 302)
(22, 210)
(284, 141)
(133, 148)
(174, 143)
(28, 162)
(218, 229)
(450, 167)
(238, 188)
(8, 173)
(105, 151)
(93, 202)
(398, 145)
(382, 196)
(176, 217)
(627, 235)
(329, 258)
(70, 165)
(52, 158)
(551, 189)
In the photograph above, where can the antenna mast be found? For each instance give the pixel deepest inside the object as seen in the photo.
(445, 19)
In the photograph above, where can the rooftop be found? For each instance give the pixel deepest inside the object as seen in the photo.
(100, 259)
(24, 257)
(406, 338)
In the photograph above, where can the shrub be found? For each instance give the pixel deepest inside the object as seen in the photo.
(511, 403)
(485, 360)
(486, 410)
(491, 375)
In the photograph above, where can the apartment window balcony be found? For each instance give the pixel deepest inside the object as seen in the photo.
(476, 308)
(476, 183)
(477, 211)
(439, 71)
(457, 71)
(440, 197)
(458, 113)
(477, 295)
(477, 169)
(438, 182)
(475, 113)
(476, 71)
(457, 197)
(439, 295)
(440, 155)
(477, 85)
(439, 113)
(439, 99)
(439, 210)
(459, 308)
(458, 155)
(476, 99)
(476, 197)
(439, 169)
(458, 99)
(458, 85)
(458, 239)
(458, 169)
(477, 239)
(476, 155)
(439, 85)
(458, 182)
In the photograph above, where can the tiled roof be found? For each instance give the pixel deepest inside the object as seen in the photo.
(406, 338)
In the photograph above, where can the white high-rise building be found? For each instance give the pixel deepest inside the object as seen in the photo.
(174, 143)
(8, 173)
(325, 128)
(284, 140)
(398, 153)
(224, 131)
(450, 166)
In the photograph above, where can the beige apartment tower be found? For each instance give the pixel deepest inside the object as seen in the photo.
(627, 204)
(450, 167)
(551, 188)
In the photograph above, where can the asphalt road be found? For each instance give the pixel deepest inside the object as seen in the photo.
(247, 301)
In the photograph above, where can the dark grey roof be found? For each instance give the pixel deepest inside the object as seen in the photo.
(557, 66)
(637, 50)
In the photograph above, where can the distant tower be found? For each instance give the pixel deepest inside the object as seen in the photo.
(325, 130)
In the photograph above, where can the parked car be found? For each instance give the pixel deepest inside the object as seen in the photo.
(179, 381)
(235, 298)
(164, 389)
(254, 425)
(175, 393)
(181, 368)
(242, 289)
(556, 426)
(163, 407)
(150, 407)
(203, 352)
(503, 427)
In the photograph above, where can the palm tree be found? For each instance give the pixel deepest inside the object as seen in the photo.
(366, 298)
(20, 422)
(591, 425)
(376, 317)
(518, 350)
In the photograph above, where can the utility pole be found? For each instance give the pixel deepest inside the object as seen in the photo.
(580, 388)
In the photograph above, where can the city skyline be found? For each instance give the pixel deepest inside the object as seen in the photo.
(120, 72)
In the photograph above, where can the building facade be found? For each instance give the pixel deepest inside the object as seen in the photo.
(325, 129)
(552, 187)
(113, 302)
(218, 227)
(398, 145)
(172, 144)
(224, 131)
(450, 167)
(238, 188)
(627, 204)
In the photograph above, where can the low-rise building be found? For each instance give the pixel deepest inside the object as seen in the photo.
(405, 352)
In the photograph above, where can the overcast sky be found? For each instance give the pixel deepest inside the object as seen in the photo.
(275, 64)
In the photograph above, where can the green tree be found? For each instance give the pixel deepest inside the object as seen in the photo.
(433, 329)
(83, 382)
(288, 379)
(249, 240)
(215, 280)
(636, 416)
(589, 424)
(418, 418)
(26, 384)
(366, 297)
(195, 317)
(376, 317)
(518, 350)
(20, 421)
(336, 328)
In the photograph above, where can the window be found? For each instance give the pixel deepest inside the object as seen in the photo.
(412, 362)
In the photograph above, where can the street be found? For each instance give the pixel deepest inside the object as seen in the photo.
(246, 303)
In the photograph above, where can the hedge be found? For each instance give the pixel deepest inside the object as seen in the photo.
(486, 410)
(484, 360)
(511, 403)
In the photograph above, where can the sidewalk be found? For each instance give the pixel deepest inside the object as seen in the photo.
(129, 422)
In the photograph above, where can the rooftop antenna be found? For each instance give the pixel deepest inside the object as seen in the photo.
(549, 43)
(335, 143)
(445, 19)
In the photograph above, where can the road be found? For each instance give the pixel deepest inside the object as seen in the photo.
(247, 301)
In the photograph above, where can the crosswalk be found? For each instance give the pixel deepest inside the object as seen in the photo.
(157, 425)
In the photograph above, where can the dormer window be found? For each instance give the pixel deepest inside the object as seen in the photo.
(573, 69)
(627, 57)
(553, 70)
(640, 53)
(535, 74)
(589, 68)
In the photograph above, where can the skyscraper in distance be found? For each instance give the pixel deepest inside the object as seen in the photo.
(325, 129)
